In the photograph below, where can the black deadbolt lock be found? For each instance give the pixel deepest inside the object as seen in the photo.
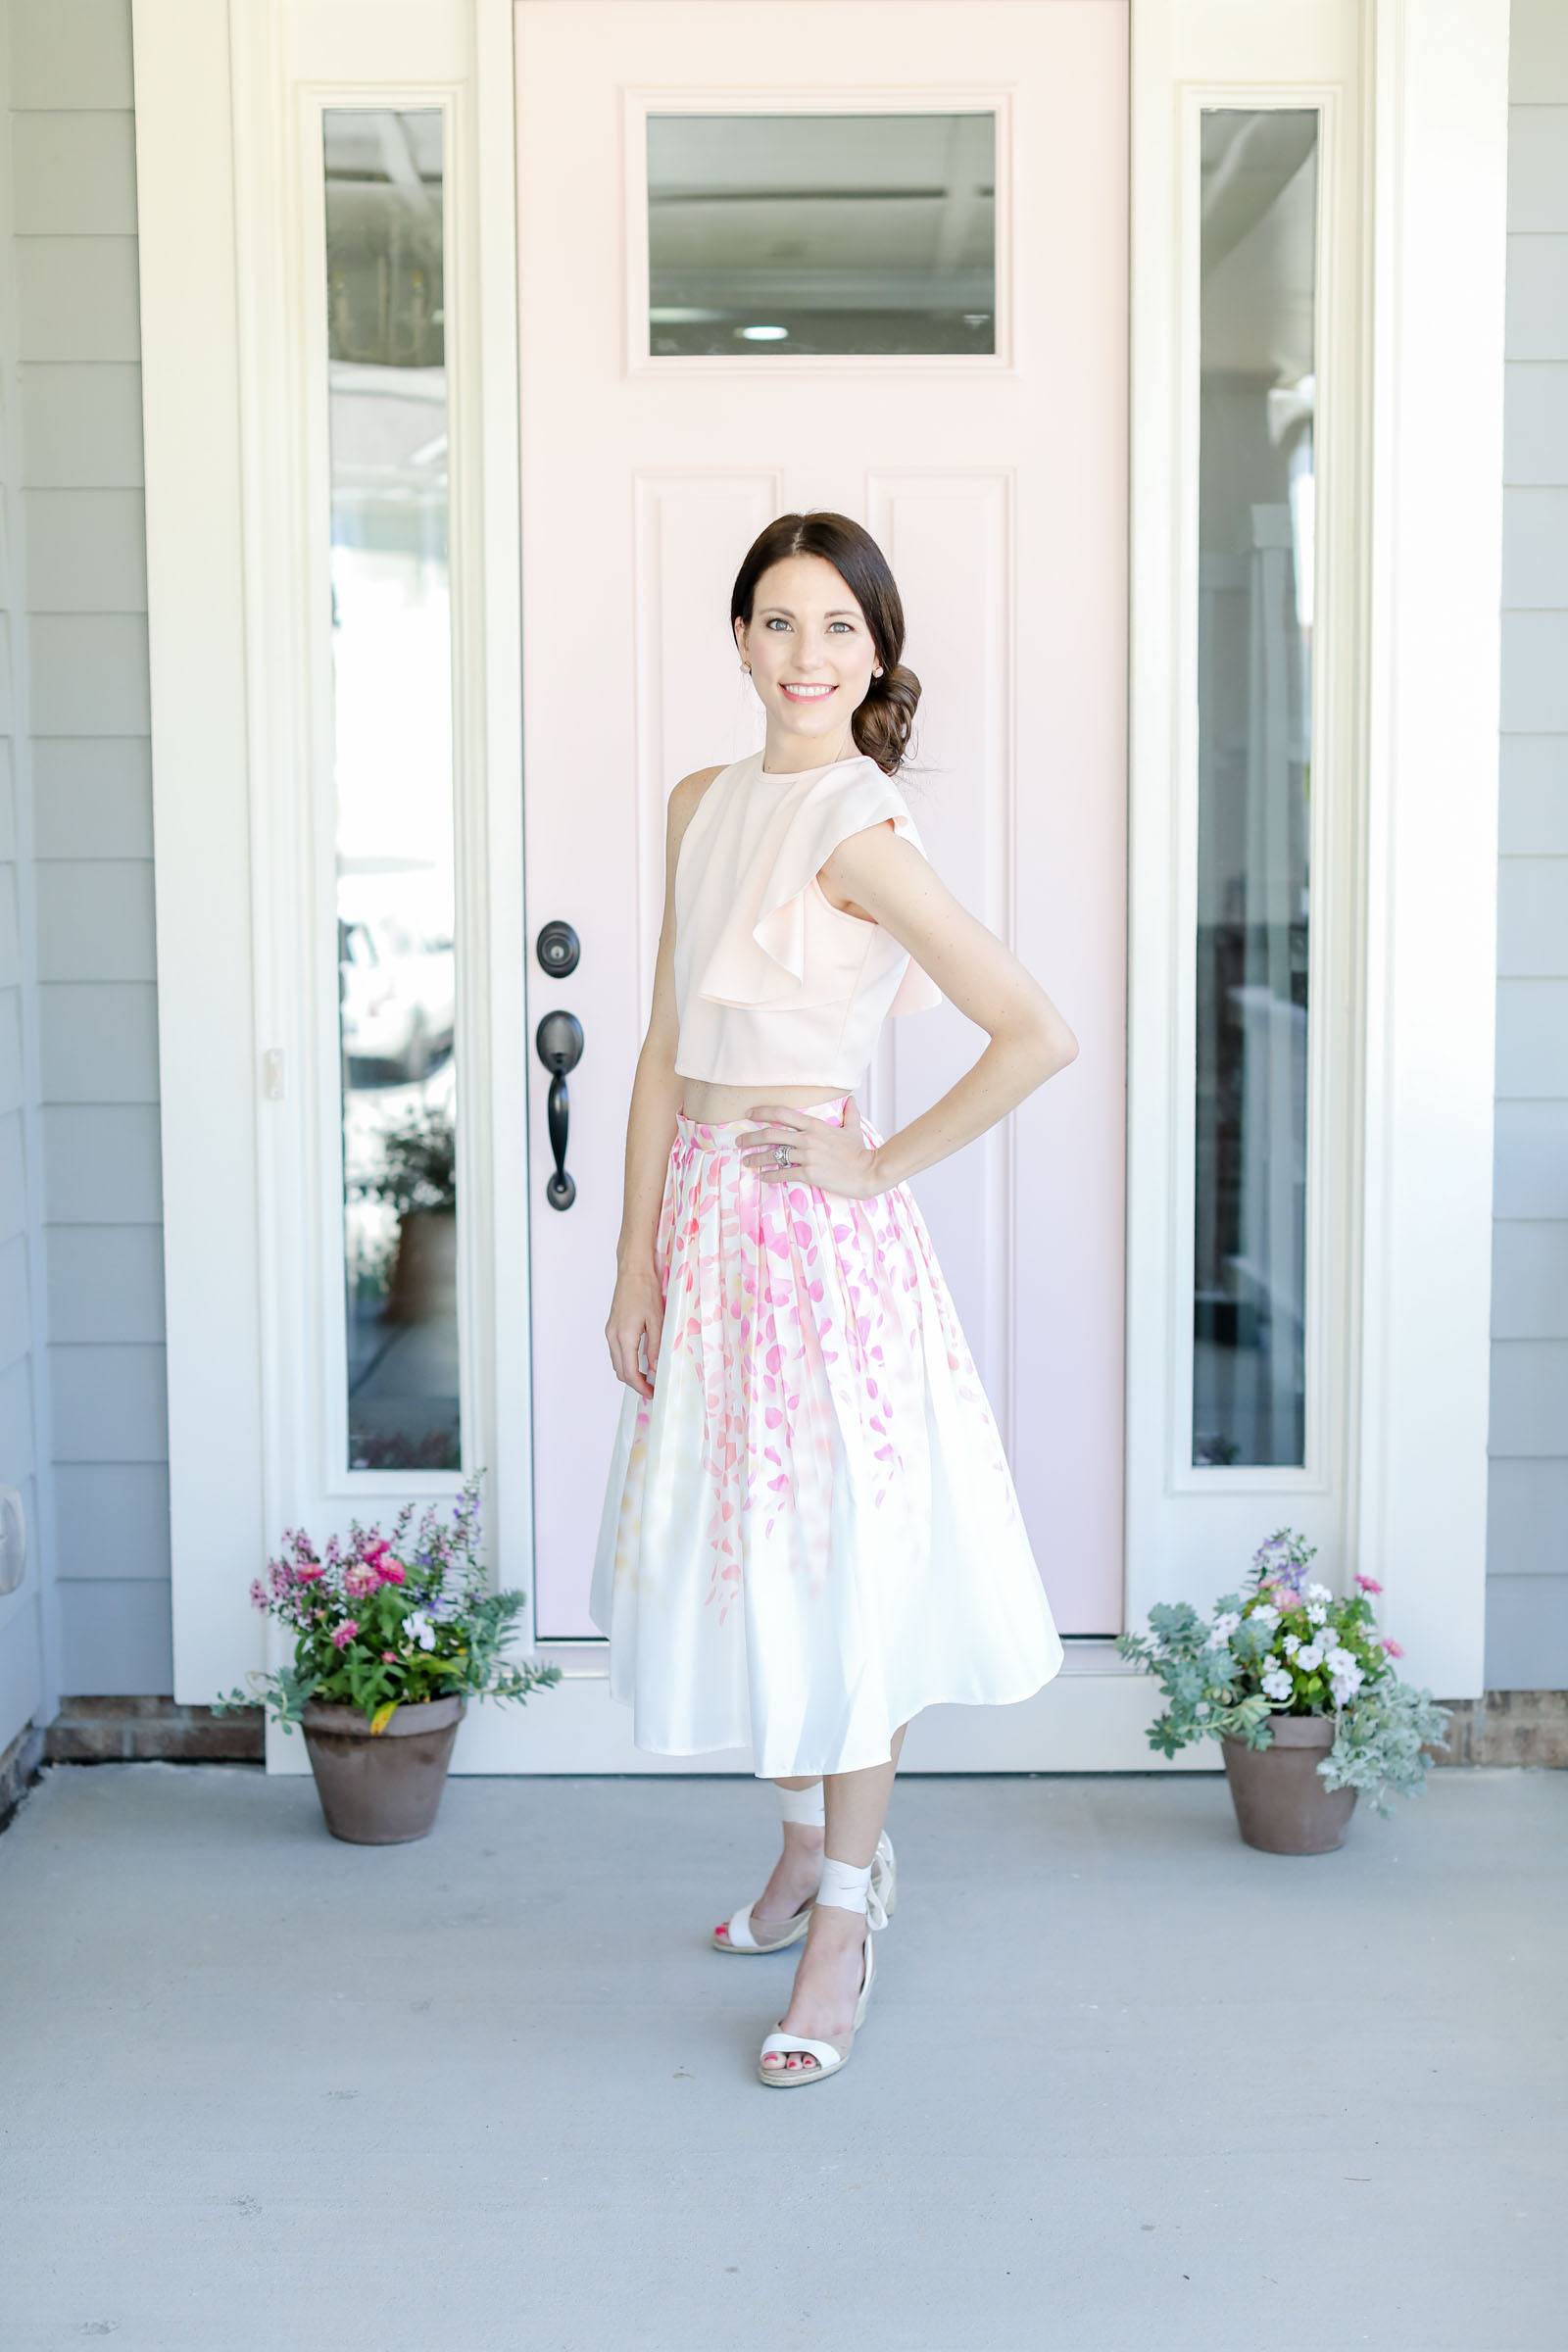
(557, 949)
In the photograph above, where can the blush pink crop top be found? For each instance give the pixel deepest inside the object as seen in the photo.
(774, 985)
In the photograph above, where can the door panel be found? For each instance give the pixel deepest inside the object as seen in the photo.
(997, 486)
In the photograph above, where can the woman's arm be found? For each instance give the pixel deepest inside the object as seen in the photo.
(637, 1310)
(878, 874)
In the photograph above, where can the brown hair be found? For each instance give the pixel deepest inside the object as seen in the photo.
(882, 725)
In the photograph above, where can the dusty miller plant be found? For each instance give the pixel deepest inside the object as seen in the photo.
(1286, 1646)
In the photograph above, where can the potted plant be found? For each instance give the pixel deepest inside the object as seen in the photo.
(417, 1180)
(1301, 1692)
(393, 1633)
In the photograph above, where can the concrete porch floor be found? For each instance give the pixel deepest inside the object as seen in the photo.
(1124, 2083)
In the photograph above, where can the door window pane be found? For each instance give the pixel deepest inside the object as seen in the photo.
(822, 233)
(392, 708)
(1255, 701)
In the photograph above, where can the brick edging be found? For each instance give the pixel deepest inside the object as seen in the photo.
(143, 1731)
(1501, 1726)
(1508, 1726)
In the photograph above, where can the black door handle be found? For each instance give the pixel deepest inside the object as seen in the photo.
(557, 1041)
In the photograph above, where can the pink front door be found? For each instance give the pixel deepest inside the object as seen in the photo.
(896, 288)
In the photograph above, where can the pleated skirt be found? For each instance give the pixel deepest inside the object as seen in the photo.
(810, 1532)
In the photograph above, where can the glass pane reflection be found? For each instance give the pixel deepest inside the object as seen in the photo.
(1255, 692)
(822, 233)
(392, 697)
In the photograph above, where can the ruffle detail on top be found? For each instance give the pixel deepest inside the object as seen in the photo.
(760, 956)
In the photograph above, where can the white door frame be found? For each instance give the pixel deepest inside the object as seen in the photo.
(227, 559)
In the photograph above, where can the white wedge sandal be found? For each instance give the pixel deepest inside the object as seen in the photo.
(843, 1888)
(740, 1933)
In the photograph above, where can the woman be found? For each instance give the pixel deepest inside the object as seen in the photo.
(810, 1532)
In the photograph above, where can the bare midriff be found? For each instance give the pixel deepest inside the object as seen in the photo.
(714, 1105)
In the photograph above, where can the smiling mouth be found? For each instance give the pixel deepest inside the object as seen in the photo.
(809, 694)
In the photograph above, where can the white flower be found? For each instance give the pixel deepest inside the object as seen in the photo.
(1346, 1686)
(1340, 1661)
(1224, 1626)
(1318, 1614)
(1277, 1684)
(1267, 1614)
(417, 1625)
(1292, 1642)
(1318, 1592)
(1310, 1657)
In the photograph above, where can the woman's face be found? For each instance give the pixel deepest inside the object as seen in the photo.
(809, 651)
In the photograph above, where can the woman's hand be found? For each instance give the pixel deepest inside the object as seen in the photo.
(636, 1319)
(834, 1160)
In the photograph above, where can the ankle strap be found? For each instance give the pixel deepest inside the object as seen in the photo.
(843, 1887)
(805, 1807)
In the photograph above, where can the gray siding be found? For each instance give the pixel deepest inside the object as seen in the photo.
(24, 1417)
(79, 542)
(1527, 1563)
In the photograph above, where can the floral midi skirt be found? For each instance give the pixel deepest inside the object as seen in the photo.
(810, 1531)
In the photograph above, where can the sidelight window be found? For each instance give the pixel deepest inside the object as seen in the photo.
(1256, 624)
(393, 783)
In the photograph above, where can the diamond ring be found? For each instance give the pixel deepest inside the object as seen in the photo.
(781, 1155)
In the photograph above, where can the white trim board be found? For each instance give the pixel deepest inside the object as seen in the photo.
(1092, 1718)
(1437, 137)
(201, 823)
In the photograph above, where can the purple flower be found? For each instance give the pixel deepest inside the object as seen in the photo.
(259, 1595)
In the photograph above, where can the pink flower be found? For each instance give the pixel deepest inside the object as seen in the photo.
(362, 1580)
(1369, 1583)
(259, 1595)
(391, 1573)
(303, 1576)
(345, 1633)
(389, 1657)
(1395, 1650)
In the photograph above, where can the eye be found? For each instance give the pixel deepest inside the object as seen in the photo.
(844, 624)
(776, 624)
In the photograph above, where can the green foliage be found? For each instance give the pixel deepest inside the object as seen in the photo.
(1284, 1645)
(382, 1621)
(1381, 1744)
(1200, 1677)
(418, 1167)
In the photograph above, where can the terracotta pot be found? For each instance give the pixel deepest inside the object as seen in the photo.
(1281, 1802)
(425, 1272)
(383, 1788)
